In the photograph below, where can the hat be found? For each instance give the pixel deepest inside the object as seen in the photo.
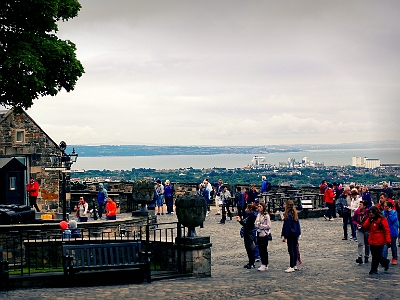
(72, 224)
(63, 225)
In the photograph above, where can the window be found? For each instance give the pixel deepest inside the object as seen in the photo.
(13, 183)
(20, 138)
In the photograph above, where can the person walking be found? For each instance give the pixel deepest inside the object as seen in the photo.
(393, 221)
(344, 206)
(379, 235)
(33, 191)
(263, 226)
(168, 195)
(290, 233)
(249, 235)
(359, 217)
(82, 210)
(102, 197)
(111, 209)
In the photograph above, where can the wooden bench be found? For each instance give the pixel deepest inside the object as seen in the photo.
(92, 257)
(307, 202)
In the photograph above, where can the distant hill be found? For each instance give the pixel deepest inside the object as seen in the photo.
(144, 150)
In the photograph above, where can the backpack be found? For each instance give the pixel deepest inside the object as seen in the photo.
(269, 186)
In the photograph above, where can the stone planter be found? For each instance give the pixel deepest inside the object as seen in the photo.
(191, 212)
(143, 193)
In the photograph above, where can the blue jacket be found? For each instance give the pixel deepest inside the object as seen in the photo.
(393, 221)
(168, 191)
(239, 197)
(291, 227)
(102, 195)
(264, 186)
(367, 197)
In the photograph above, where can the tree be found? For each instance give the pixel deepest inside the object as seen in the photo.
(33, 60)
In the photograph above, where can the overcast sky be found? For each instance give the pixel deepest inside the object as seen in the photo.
(162, 72)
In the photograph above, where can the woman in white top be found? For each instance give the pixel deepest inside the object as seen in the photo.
(355, 201)
(263, 226)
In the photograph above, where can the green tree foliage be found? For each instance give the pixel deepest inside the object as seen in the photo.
(33, 60)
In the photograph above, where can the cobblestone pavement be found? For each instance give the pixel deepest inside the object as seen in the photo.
(329, 271)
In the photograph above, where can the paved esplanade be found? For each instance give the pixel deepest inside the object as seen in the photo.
(328, 271)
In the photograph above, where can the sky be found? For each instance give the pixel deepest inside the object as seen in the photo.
(229, 72)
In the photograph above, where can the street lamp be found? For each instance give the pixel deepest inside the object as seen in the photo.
(63, 163)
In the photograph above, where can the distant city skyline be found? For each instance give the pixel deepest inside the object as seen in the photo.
(229, 73)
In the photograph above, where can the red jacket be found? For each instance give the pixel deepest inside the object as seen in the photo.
(33, 189)
(111, 208)
(379, 231)
(329, 196)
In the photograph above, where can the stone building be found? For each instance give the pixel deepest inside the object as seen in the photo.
(23, 140)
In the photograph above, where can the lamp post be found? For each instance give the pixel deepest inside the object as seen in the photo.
(63, 163)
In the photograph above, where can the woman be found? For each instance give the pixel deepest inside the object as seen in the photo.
(168, 195)
(358, 219)
(354, 201)
(290, 233)
(379, 235)
(249, 233)
(366, 196)
(82, 210)
(263, 226)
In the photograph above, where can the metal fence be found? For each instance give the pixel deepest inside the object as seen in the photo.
(29, 252)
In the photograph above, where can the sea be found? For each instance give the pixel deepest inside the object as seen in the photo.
(341, 157)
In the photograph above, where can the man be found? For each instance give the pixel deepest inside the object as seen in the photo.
(159, 188)
(218, 189)
(33, 191)
(387, 190)
(225, 198)
(207, 193)
(383, 197)
(102, 197)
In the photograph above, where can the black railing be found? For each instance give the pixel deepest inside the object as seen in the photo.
(36, 251)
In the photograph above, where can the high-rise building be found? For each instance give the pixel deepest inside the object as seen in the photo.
(356, 161)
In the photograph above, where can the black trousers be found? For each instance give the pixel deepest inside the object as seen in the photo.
(377, 257)
(263, 249)
(32, 202)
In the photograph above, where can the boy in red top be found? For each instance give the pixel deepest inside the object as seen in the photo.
(111, 209)
(33, 191)
(329, 198)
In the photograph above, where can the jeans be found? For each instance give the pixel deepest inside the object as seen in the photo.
(330, 210)
(362, 239)
(377, 257)
(292, 249)
(263, 249)
(225, 210)
(346, 221)
(393, 247)
(100, 210)
(169, 201)
(241, 211)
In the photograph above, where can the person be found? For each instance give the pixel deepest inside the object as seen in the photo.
(239, 199)
(218, 189)
(66, 233)
(366, 196)
(225, 198)
(111, 209)
(207, 194)
(159, 188)
(387, 190)
(73, 227)
(393, 221)
(263, 226)
(329, 198)
(290, 233)
(33, 191)
(264, 185)
(249, 235)
(344, 206)
(322, 187)
(168, 195)
(359, 217)
(379, 235)
(102, 197)
(252, 195)
(82, 210)
(354, 201)
(383, 197)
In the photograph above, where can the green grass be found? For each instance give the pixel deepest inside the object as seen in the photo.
(34, 271)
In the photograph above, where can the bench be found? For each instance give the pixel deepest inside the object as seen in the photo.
(307, 202)
(92, 257)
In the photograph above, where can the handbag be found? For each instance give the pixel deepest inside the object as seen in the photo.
(270, 237)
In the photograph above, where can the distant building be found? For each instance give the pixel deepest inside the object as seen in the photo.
(369, 163)
(257, 161)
